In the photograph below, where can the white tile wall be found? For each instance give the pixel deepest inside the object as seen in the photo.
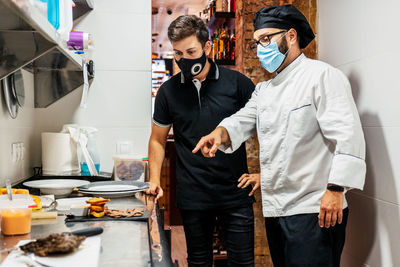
(20, 129)
(119, 102)
(121, 40)
(359, 38)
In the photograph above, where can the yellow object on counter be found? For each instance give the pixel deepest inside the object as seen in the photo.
(16, 221)
(3, 191)
(38, 202)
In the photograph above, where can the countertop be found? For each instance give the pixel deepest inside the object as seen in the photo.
(123, 243)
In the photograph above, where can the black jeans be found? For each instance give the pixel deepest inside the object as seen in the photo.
(299, 241)
(238, 228)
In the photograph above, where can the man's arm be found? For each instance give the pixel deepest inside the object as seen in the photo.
(209, 144)
(340, 123)
(157, 143)
(232, 131)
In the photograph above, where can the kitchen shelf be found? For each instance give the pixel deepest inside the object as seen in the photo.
(28, 40)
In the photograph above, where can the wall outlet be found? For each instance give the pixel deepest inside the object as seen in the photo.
(17, 151)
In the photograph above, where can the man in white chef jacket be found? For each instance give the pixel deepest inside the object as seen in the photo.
(312, 147)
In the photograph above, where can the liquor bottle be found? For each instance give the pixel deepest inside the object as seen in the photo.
(225, 42)
(215, 45)
(232, 6)
(228, 45)
(221, 44)
(233, 45)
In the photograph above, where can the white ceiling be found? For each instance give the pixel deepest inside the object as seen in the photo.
(161, 21)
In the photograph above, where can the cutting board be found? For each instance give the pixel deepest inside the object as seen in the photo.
(87, 255)
(143, 218)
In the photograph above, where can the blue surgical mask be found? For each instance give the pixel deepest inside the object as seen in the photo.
(270, 57)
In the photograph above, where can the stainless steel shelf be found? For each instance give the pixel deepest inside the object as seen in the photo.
(28, 40)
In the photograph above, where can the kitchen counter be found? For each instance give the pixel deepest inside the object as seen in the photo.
(123, 243)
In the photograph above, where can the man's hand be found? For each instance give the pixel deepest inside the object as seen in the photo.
(155, 189)
(209, 144)
(250, 179)
(331, 210)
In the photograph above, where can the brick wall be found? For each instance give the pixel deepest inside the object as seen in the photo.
(247, 63)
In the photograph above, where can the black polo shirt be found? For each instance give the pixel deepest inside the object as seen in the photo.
(195, 109)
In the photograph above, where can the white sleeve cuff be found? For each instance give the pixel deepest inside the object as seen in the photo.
(234, 135)
(160, 124)
(348, 171)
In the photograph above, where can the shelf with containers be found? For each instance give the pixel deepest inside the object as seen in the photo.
(29, 41)
(219, 16)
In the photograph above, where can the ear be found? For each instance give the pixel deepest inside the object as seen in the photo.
(207, 47)
(292, 35)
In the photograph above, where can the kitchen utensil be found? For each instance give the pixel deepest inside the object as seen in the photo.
(90, 231)
(56, 187)
(18, 88)
(33, 257)
(74, 219)
(10, 100)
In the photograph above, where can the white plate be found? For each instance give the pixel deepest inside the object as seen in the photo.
(56, 187)
(113, 189)
(111, 194)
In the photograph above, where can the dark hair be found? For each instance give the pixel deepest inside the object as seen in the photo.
(188, 25)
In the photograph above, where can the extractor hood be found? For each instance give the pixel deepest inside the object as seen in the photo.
(29, 41)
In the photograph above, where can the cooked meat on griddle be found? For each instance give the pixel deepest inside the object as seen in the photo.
(124, 213)
(54, 244)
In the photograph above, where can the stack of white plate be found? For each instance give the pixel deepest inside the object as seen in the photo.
(113, 189)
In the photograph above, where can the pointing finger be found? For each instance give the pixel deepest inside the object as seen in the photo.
(199, 145)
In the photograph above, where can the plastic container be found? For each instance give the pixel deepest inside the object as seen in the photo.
(79, 40)
(66, 19)
(94, 154)
(16, 221)
(41, 5)
(129, 168)
(53, 13)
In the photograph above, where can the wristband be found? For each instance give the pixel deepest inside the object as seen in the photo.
(335, 188)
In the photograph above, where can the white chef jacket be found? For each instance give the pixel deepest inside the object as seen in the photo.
(310, 135)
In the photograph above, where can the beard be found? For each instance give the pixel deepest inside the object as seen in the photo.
(283, 46)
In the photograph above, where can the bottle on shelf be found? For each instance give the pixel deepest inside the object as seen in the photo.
(233, 45)
(215, 45)
(221, 44)
(232, 6)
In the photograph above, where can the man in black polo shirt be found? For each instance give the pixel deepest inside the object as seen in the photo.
(194, 102)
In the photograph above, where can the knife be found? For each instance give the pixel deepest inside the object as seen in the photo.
(91, 231)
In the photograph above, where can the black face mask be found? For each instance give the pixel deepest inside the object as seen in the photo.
(192, 67)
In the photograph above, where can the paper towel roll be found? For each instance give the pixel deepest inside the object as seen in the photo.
(59, 155)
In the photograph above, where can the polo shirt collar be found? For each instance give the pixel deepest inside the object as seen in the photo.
(213, 74)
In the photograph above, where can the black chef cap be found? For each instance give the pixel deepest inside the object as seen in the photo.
(284, 17)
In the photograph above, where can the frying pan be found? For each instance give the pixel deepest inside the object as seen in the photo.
(18, 88)
(11, 101)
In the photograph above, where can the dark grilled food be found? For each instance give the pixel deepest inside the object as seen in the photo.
(54, 244)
